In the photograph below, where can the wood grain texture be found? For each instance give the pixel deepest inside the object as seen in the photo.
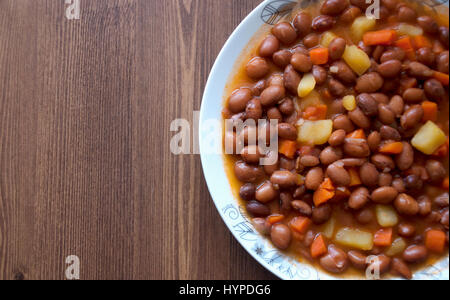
(85, 166)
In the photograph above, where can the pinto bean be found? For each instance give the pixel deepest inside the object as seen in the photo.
(418, 70)
(274, 113)
(239, 99)
(287, 107)
(291, 79)
(337, 138)
(406, 205)
(406, 230)
(333, 7)
(358, 117)
(382, 263)
(266, 192)
(426, 56)
(436, 171)
(251, 154)
(415, 254)
(261, 226)
(284, 179)
(269, 46)
(444, 36)
(309, 161)
(397, 105)
(247, 191)
(406, 14)
(359, 198)
(323, 23)
(302, 207)
(314, 178)
(247, 173)
(442, 200)
(271, 95)
(287, 131)
(367, 104)
(343, 122)
(390, 133)
(369, 174)
(374, 141)
(257, 68)
(393, 53)
(385, 179)
(414, 95)
(321, 214)
(311, 40)
(282, 58)
(369, 83)
(281, 236)
(343, 72)
(336, 88)
(301, 62)
(357, 259)
(302, 22)
(285, 33)
(320, 74)
(434, 90)
(405, 159)
(384, 195)
(336, 261)
(383, 162)
(257, 209)
(365, 216)
(350, 14)
(428, 24)
(412, 117)
(254, 109)
(338, 175)
(357, 148)
(425, 205)
(442, 62)
(362, 4)
(337, 48)
(401, 268)
(390, 68)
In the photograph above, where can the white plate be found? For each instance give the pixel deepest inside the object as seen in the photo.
(233, 215)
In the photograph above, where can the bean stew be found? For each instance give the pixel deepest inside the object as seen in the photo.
(362, 168)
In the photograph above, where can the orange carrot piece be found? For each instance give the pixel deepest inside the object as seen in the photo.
(406, 44)
(327, 184)
(383, 237)
(319, 56)
(381, 37)
(421, 41)
(355, 180)
(342, 193)
(441, 77)
(300, 224)
(357, 134)
(435, 241)
(391, 148)
(324, 193)
(287, 148)
(445, 184)
(273, 219)
(430, 111)
(318, 247)
(315, 113)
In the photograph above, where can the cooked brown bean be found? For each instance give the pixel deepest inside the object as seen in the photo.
(314, 178)
(444, 36)
(311, 40)
(301, 62)
(384, 195)
(291, 79)
(343, 72)
(302, 22)
(257, 209)
(365, 216)
(251, 154)
(406, 14)
(284, 179)
(321, 214)
(338, 175)
(247, 191)
(357, 259)
(360, 3)
(287, 164)
(369, 174)
(406, 230)
(247, 173)
(287, 131)
(257, 68)
(336, 261)
(285, 203)
(390, 68)
(374, 141)
(415, 254)
(399, 185)
(426, 56)
(393, 53)
(359, 198)
(367, 104)
(282, 58)
(406, 205)
(309, 161)
(419, 70)
(333, 7)
(414, 95)
(442, 200)
(337, 48)
(390, 133)
(266, 192)
(353, 162)
(357, 148)
(258, 87)
(274, 113)
(269, 46)
(369, 83)
(397, 105)
(413, 182)
(428, 24)
(320, 74)
(299, 192)
(285, 33)
(436, 171)
(350, 14)
(254, 109)
(445, 219)
(343, 122)
(239, 99)
(442, 62)
(381, 263)
(323, 23)
(401, 268)
(412, 117)
(281, 236)
(336, 88)
(337, 138)
(405, 159)
(425, 205)
(434, 90)
(302, 207)
(275, 79)
(383, 162)
(385, 179)
(261, 226)
(287, 107)
(358, 118)
(380, 98)
(271, 95)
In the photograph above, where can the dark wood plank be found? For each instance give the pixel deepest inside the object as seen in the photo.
(85, 165)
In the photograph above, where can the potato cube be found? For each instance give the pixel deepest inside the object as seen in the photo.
(360, 26)
(327, 38)
(315, 132)
(349, 102)
(306, 86)
(355, 238)
(406, 29)
(386, 215)
(429, 138)
(357, 59)
(313, 99)
(397, 247)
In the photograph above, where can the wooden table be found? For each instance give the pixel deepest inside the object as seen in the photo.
(85, 165)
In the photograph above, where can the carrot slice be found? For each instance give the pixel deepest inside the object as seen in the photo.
(357, 134)
(421, 41)
(445, 184)
(430, 111)
(324, 193)
(383, 237)
(391, 148)
(315, 113)
(355, 180)
(319, 56)
(287, 148)
(381, 37)
(435, 241)
(273, 219)
(406, 44)
(441, 77)
(318, 247)
(300, 224)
